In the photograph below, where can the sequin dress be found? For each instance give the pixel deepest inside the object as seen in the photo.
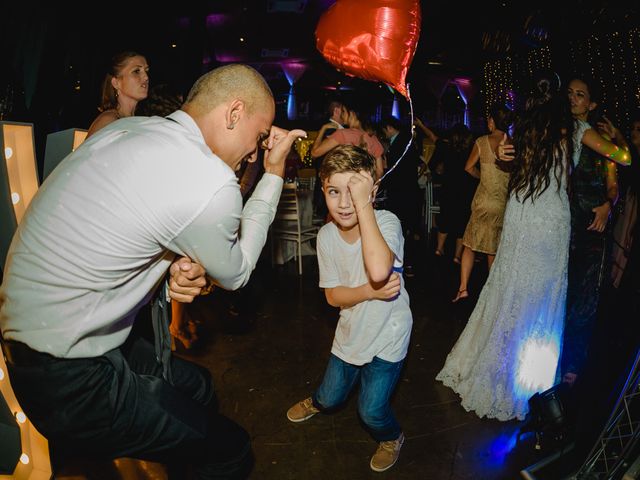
(510, 348)
(487, 208)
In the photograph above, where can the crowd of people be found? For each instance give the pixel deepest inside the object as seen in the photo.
(541, 213)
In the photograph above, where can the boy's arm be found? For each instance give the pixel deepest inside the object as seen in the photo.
(345, 297)
(377, 256)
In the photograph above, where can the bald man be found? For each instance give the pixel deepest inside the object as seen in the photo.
(99, 237)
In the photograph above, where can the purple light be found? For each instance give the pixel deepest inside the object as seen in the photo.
(466, 91)
(291, 105)
(293, 71)
(395, 109)
(228, 58)
(217, 19)
(500, 448)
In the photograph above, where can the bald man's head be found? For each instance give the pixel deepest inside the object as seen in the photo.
(227, 83)
(234, 109)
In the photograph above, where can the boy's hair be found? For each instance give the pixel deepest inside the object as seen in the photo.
(347, 158)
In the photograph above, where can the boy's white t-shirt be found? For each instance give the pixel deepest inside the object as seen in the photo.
(373, 328)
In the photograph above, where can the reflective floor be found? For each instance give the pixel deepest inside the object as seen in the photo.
(267, 348)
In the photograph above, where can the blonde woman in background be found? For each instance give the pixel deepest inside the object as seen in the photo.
(126, 84)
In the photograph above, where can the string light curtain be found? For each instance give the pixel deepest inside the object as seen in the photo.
(497, 81)
(610, 58)
(505, 78)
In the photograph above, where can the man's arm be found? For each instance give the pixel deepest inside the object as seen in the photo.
(320, 147)
(227, 239)
(426, 130)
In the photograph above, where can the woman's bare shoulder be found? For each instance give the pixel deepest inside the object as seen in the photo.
(102, 120)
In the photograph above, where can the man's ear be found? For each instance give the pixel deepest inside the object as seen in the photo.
(234, 113)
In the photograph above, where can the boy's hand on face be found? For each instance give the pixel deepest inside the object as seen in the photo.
(361, 189)
(386, 290)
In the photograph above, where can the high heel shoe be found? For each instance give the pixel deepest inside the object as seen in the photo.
(439, 253)
(461, 295)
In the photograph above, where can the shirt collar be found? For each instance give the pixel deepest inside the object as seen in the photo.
(339, 125)
(391, 140)
(184, 119)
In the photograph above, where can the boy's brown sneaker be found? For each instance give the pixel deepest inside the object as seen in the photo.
(302, 411)
(387, 454)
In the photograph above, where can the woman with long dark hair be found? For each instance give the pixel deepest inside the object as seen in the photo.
(510, 347)
(594, 192)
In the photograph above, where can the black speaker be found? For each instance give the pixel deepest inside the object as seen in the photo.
(547, 416)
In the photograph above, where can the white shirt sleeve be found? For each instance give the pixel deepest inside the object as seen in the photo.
(391, 231)
(227, 239)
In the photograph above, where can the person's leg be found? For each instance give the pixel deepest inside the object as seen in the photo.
(458, 255)
(181, 327)
(101, 407)
(378, 380)
(586, 265)
(441, 239)
(338, 381)
(468, 258)
(183, 424)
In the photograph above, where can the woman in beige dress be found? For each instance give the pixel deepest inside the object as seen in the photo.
(487, 209)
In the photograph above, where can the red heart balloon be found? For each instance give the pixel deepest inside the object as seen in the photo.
(372, 39)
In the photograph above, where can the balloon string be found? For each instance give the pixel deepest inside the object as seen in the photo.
(406, 149)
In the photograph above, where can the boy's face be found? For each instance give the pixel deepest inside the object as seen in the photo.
(338, 198)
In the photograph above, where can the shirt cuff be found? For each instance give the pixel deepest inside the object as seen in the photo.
(166, 290)
(268, 188)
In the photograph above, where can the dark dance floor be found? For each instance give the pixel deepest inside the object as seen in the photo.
(267, 348)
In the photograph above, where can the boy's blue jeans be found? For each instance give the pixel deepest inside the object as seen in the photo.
(377, 382)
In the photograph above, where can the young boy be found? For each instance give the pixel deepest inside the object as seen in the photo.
(360, 257)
